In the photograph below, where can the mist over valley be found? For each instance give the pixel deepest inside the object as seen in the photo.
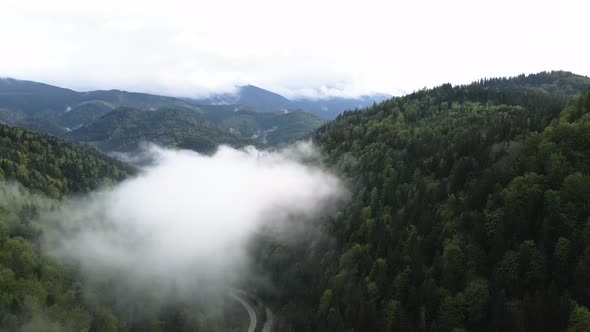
(264, 166)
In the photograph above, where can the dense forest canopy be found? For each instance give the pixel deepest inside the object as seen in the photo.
(36, 292)
(125, 128)
(469, 212)
(54, 167)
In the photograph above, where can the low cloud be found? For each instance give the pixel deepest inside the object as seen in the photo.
(187, 219)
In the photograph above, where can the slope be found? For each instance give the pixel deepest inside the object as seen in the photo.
(124, 128)
(330, 108)
(262, 100)
(267, 128)
(253, 98)
(37, 293)
(56, 111)
(40, 100)
(469, 211)
(52, 166)
(41, 293)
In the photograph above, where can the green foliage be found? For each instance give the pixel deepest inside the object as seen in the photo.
(475, 196)
(476, 298)
(36, 292)
(326, 301)
(267, 128)
(124, 128)
(579, 319)
(52, 166)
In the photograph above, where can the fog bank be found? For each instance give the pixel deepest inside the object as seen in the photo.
(187, 217)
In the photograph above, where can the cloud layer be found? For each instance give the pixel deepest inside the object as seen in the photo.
(188, 217)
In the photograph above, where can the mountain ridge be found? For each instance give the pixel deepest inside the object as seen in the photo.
(46, 108)
(468, 212)
(253, 97)
(124, 128)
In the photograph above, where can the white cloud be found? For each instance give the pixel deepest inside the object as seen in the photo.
(187, 217)
(295, 47)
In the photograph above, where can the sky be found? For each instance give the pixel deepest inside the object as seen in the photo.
(297, 48)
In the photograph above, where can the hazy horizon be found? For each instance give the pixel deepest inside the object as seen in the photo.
(234, 89)
(295, 49)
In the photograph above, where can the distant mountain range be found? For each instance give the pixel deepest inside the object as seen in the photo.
(262, 100)
(117, 120)
(124, 128)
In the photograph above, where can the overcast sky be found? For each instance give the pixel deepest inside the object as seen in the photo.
(293, 47)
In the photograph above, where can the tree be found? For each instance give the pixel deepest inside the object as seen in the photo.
(476, 298)
(579, 319)
(450, 313)
(561, 262)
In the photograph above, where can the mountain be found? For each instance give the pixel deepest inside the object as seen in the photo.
(57, 111)
(560, 84)
(249, 97)
(32, 98)
(255, 98)
(83, 113)
(39, 100)
(262, 100)
(468, 212)
(52, 166)
(330, 108)
(37, 292)
(125, 127)
(267, 128)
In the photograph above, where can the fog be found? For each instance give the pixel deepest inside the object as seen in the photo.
(186, 219)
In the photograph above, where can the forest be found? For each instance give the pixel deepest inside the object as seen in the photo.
(41, 293)
(469, 211)
(36, 292)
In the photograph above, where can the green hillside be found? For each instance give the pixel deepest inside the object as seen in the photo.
(52, 166)
(124, 128)
(83, 113)
(267, 128)
(38, 100)
(37, 293)
(469, 212)
(45, 108)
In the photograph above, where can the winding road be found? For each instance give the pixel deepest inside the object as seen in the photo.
(240, 296)
(251, 312)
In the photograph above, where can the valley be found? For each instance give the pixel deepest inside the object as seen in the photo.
(294, 166)
(467, 208)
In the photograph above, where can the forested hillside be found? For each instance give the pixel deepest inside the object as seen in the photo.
(40, 100)
(57, 111)
(49, 165)
(268, 128)
(124, 128)
(36, 293)
(470, 211)
(323, 106)
(39, 293)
